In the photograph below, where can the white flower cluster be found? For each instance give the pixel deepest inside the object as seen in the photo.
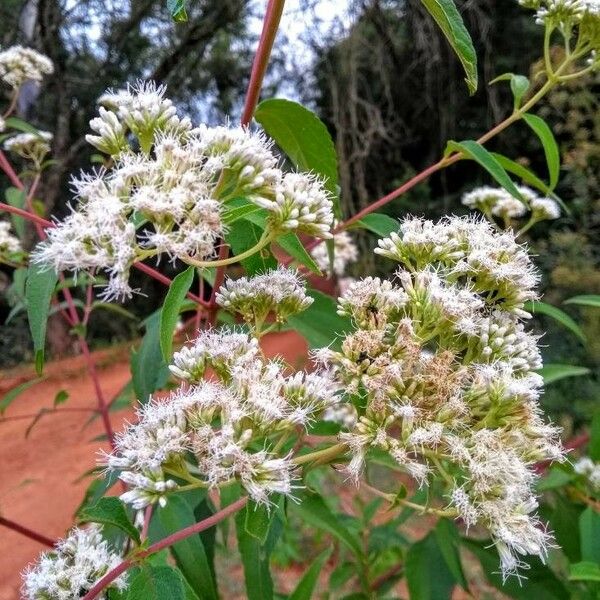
(445, 369)
(19, 64)
(31, 146)
(227, 426)
(279, 292)
(565, 14)
(78, 562)
(590, 470)
(9, 243)
(168, 189)
(345, 253)
(499, 203)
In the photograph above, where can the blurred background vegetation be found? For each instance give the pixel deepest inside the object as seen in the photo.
(390, 90)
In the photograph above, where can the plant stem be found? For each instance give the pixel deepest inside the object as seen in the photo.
(10, 173)
(32, 535)
(165, 543)
(261, 59)
(265, 239)
(322, 456)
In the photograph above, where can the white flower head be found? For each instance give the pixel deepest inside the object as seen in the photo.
(545, 209)
(279, 292)
(9, 243)
(19, 64)
(31, 146)
(78, 562)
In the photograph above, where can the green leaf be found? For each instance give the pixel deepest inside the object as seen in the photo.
(319, 323)
(13, 393)
(564, 520)
(19, 124)
(519, 84)
(293, 246)
(378, 223)
(149, 371)
(189, 553)
(539, 581)
(110, 511)
(586, 300)
(16, 198)
(543, 131)
(61, 397)
(177, 10)
(169, 313)
(528, 177)
(589, 530)
(556, 372)
(315, 512)
(306, 586)
(594, 444)
(238, 208)
(448, 542)
(304, 138)
(156, 583)
(475, 151)
(542, 308)
(584, 571)
(255, 558)
(244, 234)
(38, 292)
(427, 573)
(258, 521)
(450, 22)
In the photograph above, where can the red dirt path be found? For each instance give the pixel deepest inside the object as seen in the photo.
(39, 486)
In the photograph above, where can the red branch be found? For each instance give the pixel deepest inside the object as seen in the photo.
(165, 543)
(32, 535)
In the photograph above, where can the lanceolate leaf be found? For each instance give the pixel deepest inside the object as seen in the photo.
(149, 371)
(586, 300)
(156, 582)
(380, 224)
(556, 372)
(584, 571)
(589, 529)
(38, 293)
(306, 586)
(16, 198)
(169, 313)
(293, 246)
(189, 553)
(110, 511)
(12, 394)
(475, 151)
(542, 308)
(451, 23)
(303, 137)
(543, 131)
(319, 323)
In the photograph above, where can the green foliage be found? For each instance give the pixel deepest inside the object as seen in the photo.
(556, 372)
(303, 137)
(543, 131)
(110, 511)
(378, 223)
(156, 582)
(177, 10)
(319, 323)
(475, 151)
(306, 586)
(450, 22)
(16, 198)
(190, 554)
(15, 392)
(542, 308)
(171, 308)
(39, 288)
(519, 84)
(149, 370)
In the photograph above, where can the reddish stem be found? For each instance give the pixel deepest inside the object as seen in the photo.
(32, 535)
(261, 58)
(10, 173)
(165, 543)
